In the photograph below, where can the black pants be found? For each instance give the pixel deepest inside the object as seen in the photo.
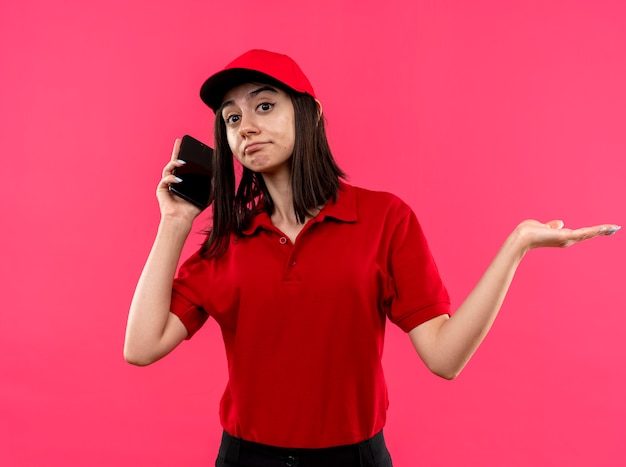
(236, 452)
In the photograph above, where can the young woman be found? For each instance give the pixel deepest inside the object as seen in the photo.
(301, 272)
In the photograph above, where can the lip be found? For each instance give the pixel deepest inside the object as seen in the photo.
(253, 147)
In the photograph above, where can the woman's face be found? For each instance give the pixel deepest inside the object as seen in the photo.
(260, 127)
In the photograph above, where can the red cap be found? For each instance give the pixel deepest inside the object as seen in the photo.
(255, 65)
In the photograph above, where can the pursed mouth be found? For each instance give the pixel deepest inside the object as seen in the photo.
(250, 148)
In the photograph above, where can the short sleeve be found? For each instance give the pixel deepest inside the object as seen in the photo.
(187, 295)
(418, 291)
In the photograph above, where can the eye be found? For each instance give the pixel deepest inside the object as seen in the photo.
(232, 119)
(265, 106)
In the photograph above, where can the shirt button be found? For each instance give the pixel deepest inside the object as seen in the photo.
(293, 263)
(282, 240)
(290, 461)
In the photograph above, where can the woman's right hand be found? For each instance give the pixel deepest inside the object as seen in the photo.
(173, 206)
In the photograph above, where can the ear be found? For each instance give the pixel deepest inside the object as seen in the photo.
(319, 109)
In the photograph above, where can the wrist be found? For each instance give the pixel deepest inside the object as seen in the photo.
(175, 224)
(519, 242)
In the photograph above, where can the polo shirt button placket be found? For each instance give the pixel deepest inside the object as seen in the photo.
(282, 240)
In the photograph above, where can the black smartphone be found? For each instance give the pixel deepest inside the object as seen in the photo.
(195, 174)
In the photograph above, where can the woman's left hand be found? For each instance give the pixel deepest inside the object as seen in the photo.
(534, 234)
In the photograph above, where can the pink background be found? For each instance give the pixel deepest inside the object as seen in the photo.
(479, 114)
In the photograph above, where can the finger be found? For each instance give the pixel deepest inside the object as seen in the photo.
(170, 166)
(585, 233)
(555, 224)
(609, 229)
(168, 180)
(175, 149)
(604, 229)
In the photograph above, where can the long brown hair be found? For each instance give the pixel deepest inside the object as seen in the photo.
(314, 178)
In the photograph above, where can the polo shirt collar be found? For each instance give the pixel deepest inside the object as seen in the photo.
(344, 210)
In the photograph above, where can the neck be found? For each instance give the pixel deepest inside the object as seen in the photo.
(279, 188)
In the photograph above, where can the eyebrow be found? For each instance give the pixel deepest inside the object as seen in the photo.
(250, 95)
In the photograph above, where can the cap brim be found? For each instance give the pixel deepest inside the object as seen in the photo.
(215, 88)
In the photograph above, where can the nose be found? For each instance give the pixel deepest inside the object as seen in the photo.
(248, 124)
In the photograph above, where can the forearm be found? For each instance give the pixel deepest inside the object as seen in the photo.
(150, 307)
(458, 337)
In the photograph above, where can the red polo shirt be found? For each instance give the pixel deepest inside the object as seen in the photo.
(303, 323)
